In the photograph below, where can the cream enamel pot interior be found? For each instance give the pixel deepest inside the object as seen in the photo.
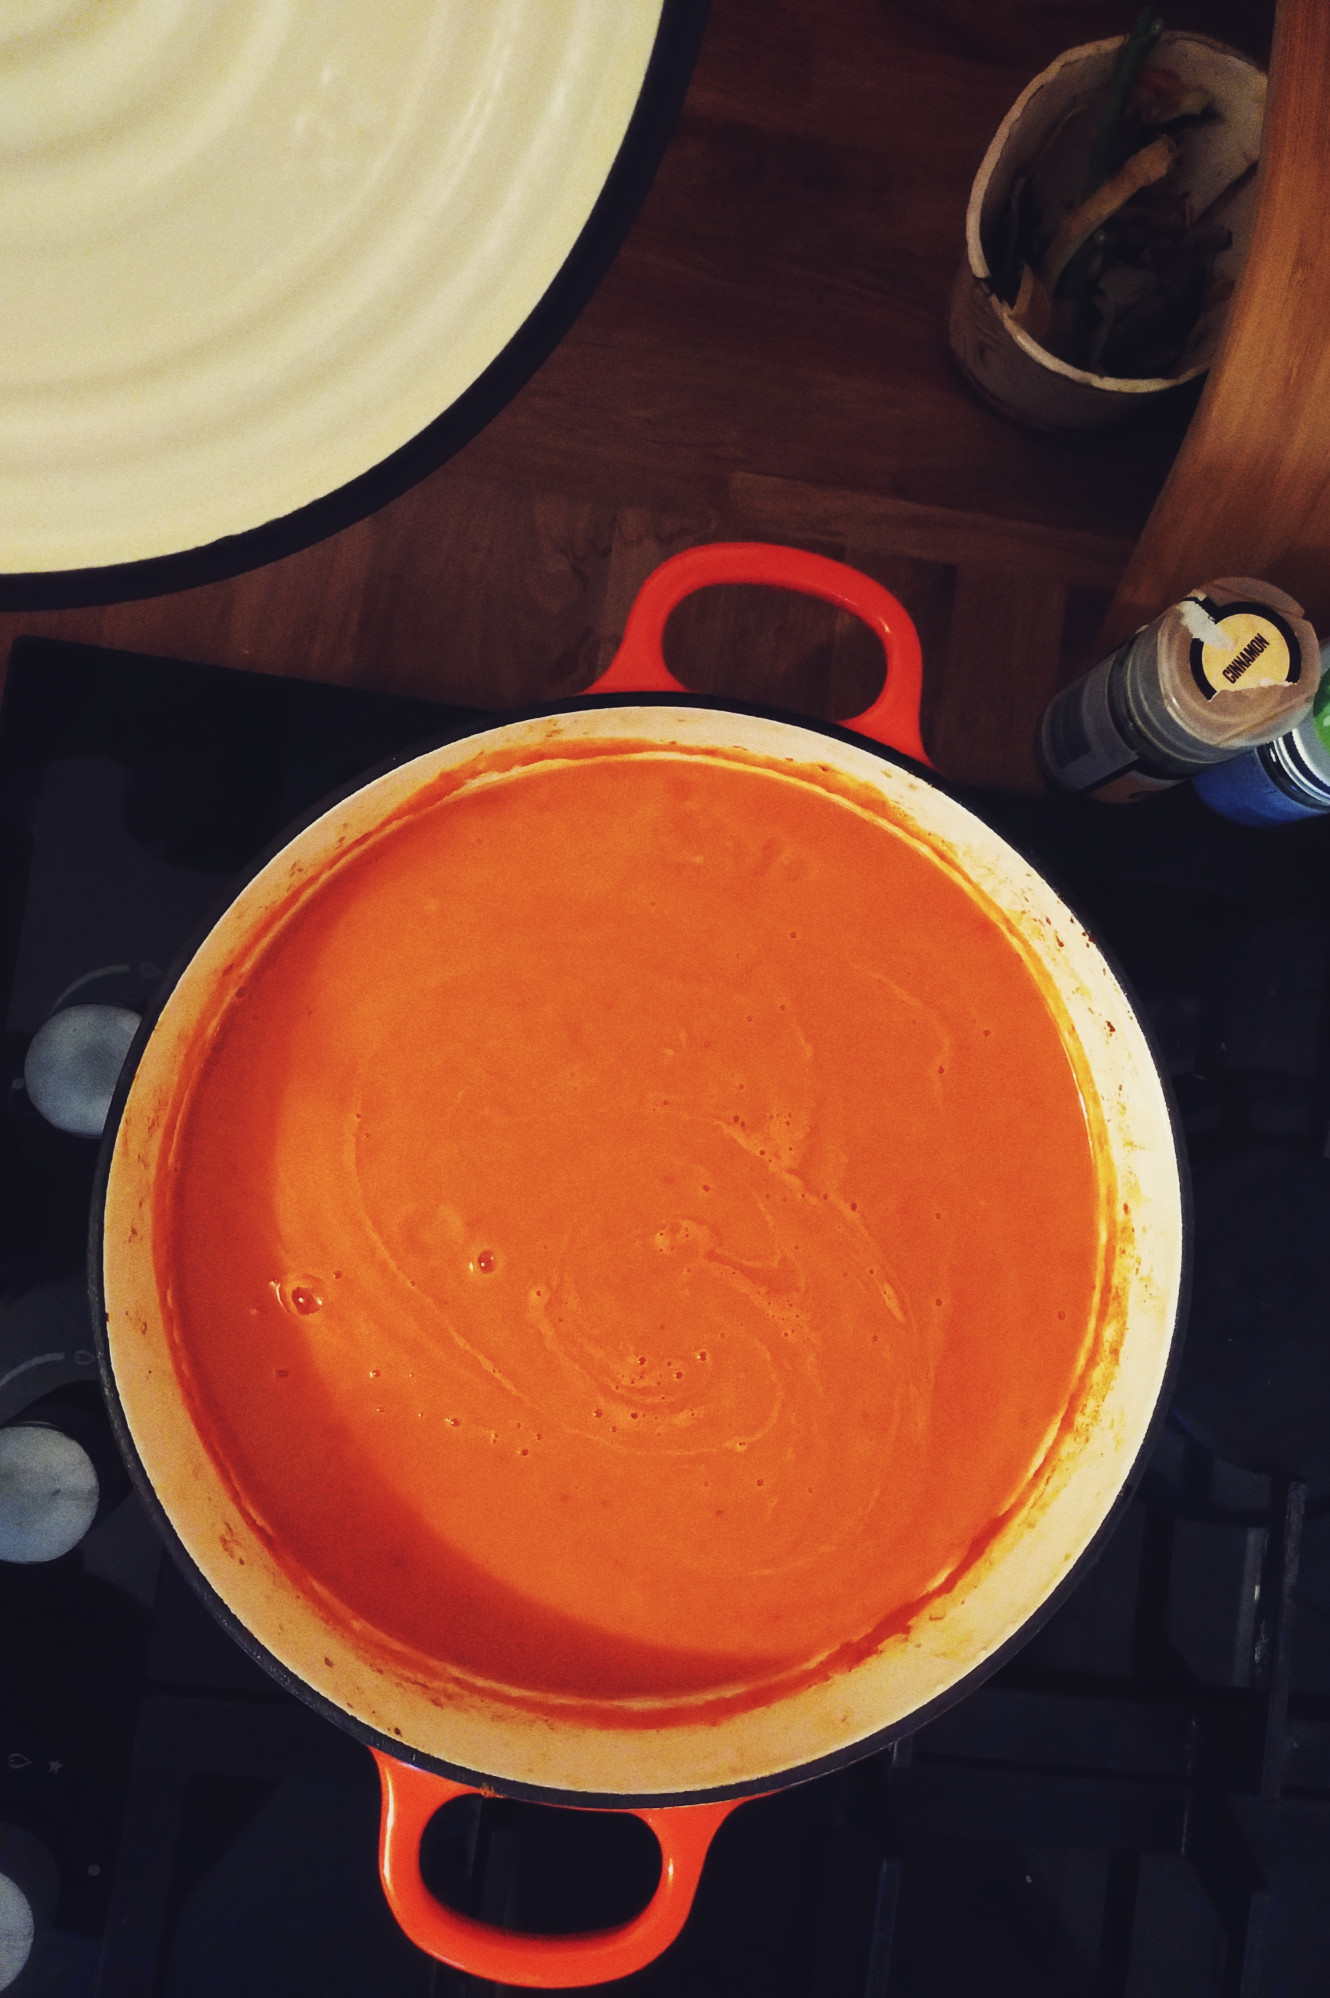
(684, 1778)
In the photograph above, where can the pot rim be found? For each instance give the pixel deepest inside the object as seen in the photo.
(401, 1750)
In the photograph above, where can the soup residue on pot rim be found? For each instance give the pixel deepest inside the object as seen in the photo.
(634, 1233)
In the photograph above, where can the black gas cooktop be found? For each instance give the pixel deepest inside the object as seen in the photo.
(1138, 1803)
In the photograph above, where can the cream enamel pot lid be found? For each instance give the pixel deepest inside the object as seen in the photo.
(269, 261)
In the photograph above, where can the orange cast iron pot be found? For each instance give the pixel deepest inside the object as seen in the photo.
(440, 1721)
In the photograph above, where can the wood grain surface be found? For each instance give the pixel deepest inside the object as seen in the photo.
(1249, 494)
(766, 359)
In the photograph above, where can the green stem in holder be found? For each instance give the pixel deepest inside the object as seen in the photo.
(1131, 56)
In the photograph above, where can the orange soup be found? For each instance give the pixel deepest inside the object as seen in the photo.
(635, 1233)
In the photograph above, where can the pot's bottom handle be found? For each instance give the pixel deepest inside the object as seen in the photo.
(547, 1963)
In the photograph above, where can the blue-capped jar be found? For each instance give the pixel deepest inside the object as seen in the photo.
(1280, 781)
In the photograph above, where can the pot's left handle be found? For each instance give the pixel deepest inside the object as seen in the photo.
(545, 1963)
(638, 667)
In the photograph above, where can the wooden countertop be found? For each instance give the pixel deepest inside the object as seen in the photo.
(765, 360)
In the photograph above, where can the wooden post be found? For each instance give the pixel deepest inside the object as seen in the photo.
(1249, 492)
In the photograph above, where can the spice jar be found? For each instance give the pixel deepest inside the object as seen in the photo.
(1282, 780)
(1233, 665)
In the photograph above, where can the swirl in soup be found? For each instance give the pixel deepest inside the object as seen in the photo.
(635, 1233)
